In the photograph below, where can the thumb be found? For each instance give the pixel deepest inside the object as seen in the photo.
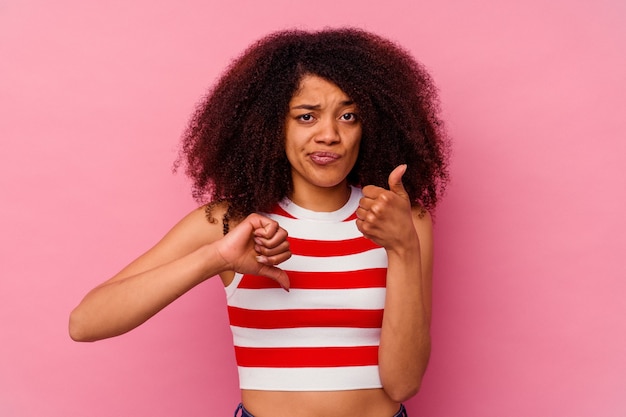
(395, 180)
(277, 275)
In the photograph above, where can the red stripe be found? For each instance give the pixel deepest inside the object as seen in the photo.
(282, 319)
(352, 217)
(320, 248)
(294, 357)
(281, 212)
(365, 278)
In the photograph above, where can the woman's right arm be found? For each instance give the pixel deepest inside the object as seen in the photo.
(193, 251)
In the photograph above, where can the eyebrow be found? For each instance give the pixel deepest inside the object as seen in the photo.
(318, 106)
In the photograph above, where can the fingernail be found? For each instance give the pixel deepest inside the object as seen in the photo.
(261, 259)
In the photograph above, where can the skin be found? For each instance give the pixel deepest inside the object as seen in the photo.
(323, 134)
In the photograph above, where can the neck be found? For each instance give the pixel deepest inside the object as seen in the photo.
(325, 199)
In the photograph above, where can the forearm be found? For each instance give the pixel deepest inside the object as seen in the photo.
(118, 306)
(405, 336)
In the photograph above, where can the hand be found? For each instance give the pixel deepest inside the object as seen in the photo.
(384, 216)
(254, 247)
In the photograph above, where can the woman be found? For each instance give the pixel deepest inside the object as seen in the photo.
(320, 154)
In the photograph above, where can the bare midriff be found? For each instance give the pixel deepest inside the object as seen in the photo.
(352, 403)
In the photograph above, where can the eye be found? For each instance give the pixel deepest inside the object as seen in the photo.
(349, 117)
(307, 117)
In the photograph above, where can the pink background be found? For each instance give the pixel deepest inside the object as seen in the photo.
(529, 311)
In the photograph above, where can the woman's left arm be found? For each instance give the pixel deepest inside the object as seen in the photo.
(387, 218)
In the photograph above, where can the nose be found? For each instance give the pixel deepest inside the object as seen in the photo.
(328, 132)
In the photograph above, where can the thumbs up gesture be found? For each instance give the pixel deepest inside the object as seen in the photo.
(384, 216)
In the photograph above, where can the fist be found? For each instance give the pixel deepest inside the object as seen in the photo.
(384, 216)
(256, 246)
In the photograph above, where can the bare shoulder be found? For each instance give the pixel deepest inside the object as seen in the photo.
(199, 226)
(191, 233)
(423, 223)
(422, 220)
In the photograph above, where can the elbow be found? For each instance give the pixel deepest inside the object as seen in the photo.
(402, 392)
(77, 329)
(404, 382)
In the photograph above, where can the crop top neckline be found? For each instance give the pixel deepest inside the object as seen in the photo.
(323, 216)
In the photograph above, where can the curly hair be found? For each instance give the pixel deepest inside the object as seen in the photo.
(233, 147)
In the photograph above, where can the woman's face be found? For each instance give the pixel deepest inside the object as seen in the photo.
(322, 136)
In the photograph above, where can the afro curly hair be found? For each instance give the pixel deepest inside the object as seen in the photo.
(233, 147)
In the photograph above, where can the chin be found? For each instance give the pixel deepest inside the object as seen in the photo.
(330, 184)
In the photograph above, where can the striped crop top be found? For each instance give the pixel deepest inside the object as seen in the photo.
(323, 334)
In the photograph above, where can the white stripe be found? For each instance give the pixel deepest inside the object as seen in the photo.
(333, 216)
(305, 337)
(374, 258)
(309, 379)
(278, 299)
(321, 230)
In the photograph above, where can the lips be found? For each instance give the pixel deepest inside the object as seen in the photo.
(324, 158)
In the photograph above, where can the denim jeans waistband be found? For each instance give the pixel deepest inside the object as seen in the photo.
(244, 413)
